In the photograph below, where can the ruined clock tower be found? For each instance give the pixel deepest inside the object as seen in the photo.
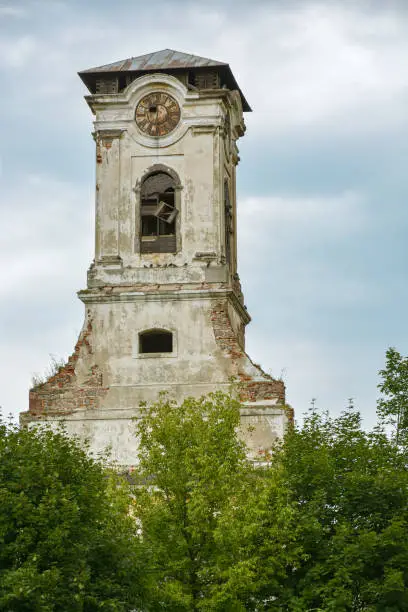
(164, 309)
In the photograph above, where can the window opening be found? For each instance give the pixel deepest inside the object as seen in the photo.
(228, 222)
(158, 214)
(156, 341)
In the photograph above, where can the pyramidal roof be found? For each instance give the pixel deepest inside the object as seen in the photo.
(165, 59)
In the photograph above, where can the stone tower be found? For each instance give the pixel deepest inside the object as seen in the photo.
(164, 308)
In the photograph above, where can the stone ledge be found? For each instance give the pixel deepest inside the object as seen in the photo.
(156, 293)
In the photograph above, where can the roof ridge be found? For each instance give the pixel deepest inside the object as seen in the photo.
(146, 54)
(165, 58)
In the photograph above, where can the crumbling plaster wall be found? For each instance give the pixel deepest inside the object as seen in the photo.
(106, 378)
(192, 293)
(78, 385)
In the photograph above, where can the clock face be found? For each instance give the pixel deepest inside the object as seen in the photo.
(157, 114)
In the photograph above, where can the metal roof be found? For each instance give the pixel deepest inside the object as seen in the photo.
(164, 60)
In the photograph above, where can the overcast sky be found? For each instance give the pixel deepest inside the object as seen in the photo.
(322, 182)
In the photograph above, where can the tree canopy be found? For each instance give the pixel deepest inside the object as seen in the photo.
(320, 526)
(67, 541)
(347, 492)
(197, 481)
(392, 407)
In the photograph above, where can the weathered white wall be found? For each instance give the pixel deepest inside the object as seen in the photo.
(192, 293)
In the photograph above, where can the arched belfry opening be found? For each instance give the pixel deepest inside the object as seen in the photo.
(158, 212)
(155, 341)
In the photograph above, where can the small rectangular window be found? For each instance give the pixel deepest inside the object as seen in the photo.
(156, 341)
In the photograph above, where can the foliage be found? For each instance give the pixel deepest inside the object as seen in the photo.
(320, 527)
(347, 496)
(393, 405)
(196, 504)
(67, 541)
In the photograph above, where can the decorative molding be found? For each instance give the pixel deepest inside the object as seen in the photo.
(106, 137)
(96, 296)
(197, 130)
(110, 260)
(208, 256)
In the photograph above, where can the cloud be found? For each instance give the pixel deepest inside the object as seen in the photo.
(321, 64)
(311, 368)
(300, 64)
(12, 11)
(47, 243)
(43, 217)
(17, 53)
(314, 212)
(301, 245)
(326, 291)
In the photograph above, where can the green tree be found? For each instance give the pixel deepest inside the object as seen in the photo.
(346, 509)
(67, 539)
(322, 526)
(196, 505)
(392, 407)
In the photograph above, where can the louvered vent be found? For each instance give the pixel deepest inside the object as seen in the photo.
(182, 77)
(129, 79)
(106, 86)
(207, 80)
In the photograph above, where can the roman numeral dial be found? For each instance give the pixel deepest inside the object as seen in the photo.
(157, 114)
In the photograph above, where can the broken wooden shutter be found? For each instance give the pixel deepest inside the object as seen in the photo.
(166, 212)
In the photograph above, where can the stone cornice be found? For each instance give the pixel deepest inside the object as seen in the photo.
(109, 295)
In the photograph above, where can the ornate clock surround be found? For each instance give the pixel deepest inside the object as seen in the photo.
(157, 83)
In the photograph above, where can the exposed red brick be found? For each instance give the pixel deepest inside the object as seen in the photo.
(60, 394)
(250, 390)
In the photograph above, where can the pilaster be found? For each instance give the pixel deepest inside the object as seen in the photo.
(107, 196)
